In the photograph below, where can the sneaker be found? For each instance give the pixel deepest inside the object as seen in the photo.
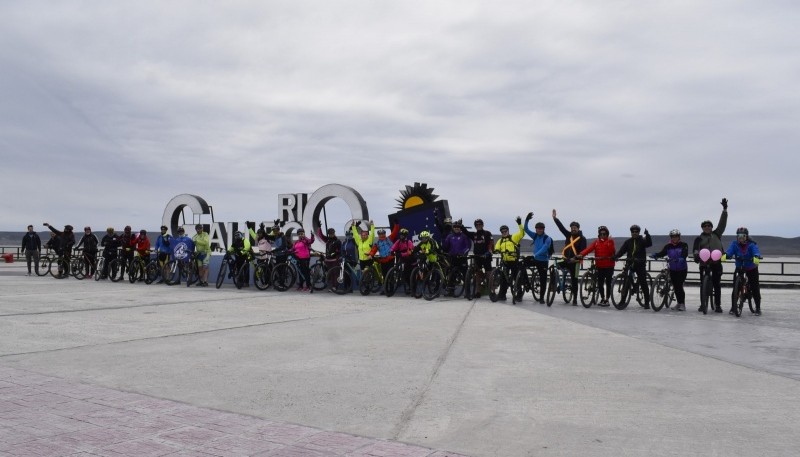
(29, 273)
(541, 301)
(299, 289)
(718, 309)
(603, 303)
(731, 312)
(758, 312)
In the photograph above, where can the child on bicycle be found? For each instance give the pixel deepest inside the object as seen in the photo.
(676, 252)
(747, 256)
(604, 249)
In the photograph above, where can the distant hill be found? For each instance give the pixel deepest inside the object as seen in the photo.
(769, 245)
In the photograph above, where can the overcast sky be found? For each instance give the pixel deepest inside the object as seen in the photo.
(612, 112)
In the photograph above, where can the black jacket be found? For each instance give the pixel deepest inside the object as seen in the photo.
(31, 242)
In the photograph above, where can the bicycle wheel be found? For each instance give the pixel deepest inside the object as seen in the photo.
(566, 293)
(223, 272)
(192, 274)
(115, 270)
(368, 279)
(151, 272)
(620, 289)
(520, 285)
(552, 285)
(640, 298)
(283, 277)
(661, 292)
(317, 273)
(262, 276)
(77, 268)
(241, 277)
(44, 266)
(750, 303)
(496, 282)
(457, 282)
(135, 272)
(588, 289)
(705, 293)
(391, 282)
(434, 283)
(59, 268)
(98, 269)
(339, 280)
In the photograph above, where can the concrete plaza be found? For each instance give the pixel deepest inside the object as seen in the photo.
(100, 368)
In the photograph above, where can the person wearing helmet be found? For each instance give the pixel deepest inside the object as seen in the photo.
(280, 244)
(482, 249)
(604, 250)
(443, 225)
(333, 245)
(456, 245)
(676, 252)
(302, 252)
(182, 250)
(508, 248)
(428, 247)
(404, 247)
(542, 247)
(66, 240)
(241, 250)
(163, 249)
(128, 244)
(382, 248)
(141, 245)
(574, 243)
(89, 243)
(32, 248)
(711, 239)
(110, 243)
(202, 245)
(363, 240)
(747, 256)
(634, 249)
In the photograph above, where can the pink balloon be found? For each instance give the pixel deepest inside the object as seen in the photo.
(705, 254)
(716, 254)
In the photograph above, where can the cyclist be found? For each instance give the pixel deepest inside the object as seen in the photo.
(404, 247)
(66, 239)
(542, 250)
(383, 248)
(635, 250)
(127, 243)
(32, 247)
(711, 240)
(482, 248)
(302, 252)
(676, 252)
(280, 245)
(445, 226)
(508, 248)
(747, 257)
(363, 242)
(240, 248)
(428, 247)
(604, 250)
(89, 243)
(263, 244)
(202, 244)
(333, 245)
(162, 248)
(182, 249)
(456, 246)
(574, 243)
(110, 244)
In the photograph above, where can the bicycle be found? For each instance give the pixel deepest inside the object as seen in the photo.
(61, 269)
(137, 268)
(185, 269)
(318, 271)
(589, 286)
(741, 292)
(662, 292)
(559, 279)
(154, 270)
(44, 263)
(626, 284)
(526, 280)
(285, 274)
(262, 273)
(78, 264)
(371, 278)
(226, 268)
(706, 278)
(456, 276)
(476, 280)
(395, 276)
(499, 279)
(339, 278)
(427, 278)
(101, 265)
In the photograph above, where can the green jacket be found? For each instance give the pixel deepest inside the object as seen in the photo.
(508, 247)
(363, 247)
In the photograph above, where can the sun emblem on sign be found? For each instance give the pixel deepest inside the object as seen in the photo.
(417, 195)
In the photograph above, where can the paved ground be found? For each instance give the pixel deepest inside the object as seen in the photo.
(92, 368)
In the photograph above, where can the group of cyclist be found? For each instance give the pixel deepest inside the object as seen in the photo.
(361, 248)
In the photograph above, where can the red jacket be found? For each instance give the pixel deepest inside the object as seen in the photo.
(602, 248)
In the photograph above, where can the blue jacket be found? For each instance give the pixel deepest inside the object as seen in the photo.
(163, 243)
(745, 254)
(541, 244)
(182, 248)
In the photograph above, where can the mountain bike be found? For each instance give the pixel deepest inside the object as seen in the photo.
(559, 279)
(178, 270)
(662, 292)
(476, 280)
(427, 278)
(285, 274)
(371, 278)
(340, 277)
(741, 292)
(626, 285)
(527, 280)
(227, 269)
(707, 282)
(395, 277)
(318, 271)
(44, 263)
(59, 268)
(456, 276)
(137, 268)
(589, 286)
(501, 278)
(262, 273)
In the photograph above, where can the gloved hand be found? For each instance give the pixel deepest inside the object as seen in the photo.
(519, 220)
(724, 258)
(646, 232)
(724, 204)
(756, 260)
(529, 216)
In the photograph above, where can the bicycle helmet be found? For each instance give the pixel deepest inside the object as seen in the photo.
(448, 221)
(503, 227)
(67, 228)
(403, 232)
(143, 232)
(602, 229)
(539, 225)
(331, 231)
(181, 230)
(301, 231)
(163, 227)
(381, 232)
(198, 226)
(478, 222)
(706, 223)
(110, 230)
(635, 228)
(674, 232)
(237, 235)
(127, 228)
(742, 231)
(87, 228)
(424, 235)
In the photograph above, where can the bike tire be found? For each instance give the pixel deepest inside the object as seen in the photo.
(434, 283)
(317, 273)
(283, 277)
(339, 281)
(588, 289)
(44, 266)
(98, 269)
(660, 292)
(567, 293)
(77, 268)
(134, 272)
(367, 279)
(750, 303)
(417, 283)
(223, 272)
(241, 276)
(262, 276)
(620, 291)
(457, 281)
(640, 293)
(151, 272)
(705, 293)
(496, 280)
(391, 282)
(552, 286)
(521, 283)
(115, 270)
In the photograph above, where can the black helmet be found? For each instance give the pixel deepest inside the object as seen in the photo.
(331, 231)
(163, 227)
(742, 231)
(674, 232)
(635, 228)
(574, 224)
(67, 228)
(503, 227)
(478, 221)
(706, 223)
(539, 225)
(601, 229)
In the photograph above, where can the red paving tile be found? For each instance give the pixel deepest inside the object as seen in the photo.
(46, 416)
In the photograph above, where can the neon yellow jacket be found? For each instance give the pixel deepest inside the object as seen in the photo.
(363, 247)
(202, 243)
(508, 247)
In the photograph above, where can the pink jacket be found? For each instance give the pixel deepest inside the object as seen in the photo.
(302, 247)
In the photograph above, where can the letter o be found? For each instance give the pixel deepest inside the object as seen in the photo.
(356, 203)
